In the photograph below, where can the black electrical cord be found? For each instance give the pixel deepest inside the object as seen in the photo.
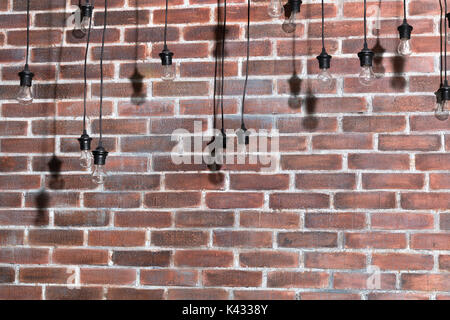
(165, 24)
(404, 10)
(445, 44)
(223, 62)
(100, 142)
(28, 33)
(441, 52)
(365, 23)
(247, 63)
(216, 66)
(323, 27)
(85, 74)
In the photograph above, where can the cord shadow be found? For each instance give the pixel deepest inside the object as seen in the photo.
(137, 78)
(219, 34)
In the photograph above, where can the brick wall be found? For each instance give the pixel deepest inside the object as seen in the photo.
(361, 183)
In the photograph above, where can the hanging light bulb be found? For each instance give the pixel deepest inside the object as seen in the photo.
(85, 147)
(289, 24)
(442, 102)
(168, 71)
(86, 15)
(325, 78)
(366, 76)
(99, 173)
(404, 47)
(25, 95)
(275, 9)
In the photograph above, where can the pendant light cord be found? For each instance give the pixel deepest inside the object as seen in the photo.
(101, 74)
(165, 24)
(248, 60)
(404, 10)
(28, 33)
(323, 26)
(223, 60)
(85, 74)
(441, 51)
(445, 43)
(365, 23)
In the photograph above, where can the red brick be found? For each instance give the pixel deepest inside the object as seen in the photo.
(164, 277)
(231, 200)
(269, 220)
(430, 241)
(177, 238)
(392, 181)
(231, 278)
(325, 181)
(68, 293)
(141, 258)
(345, 220)
(18, 292)
(307, 239)
(108, 276)
(299, 200)
(377, 240)
(338, 260)
(259, 182)
(342, 141)
(7, 275)
(116, 238)
(172, 199)
(282, 279)
(17, 255)
(55, 237)
(243, 239)
(425, 282)
(368, 161)
(204, 219)
(43, 275)
(134, 294)
(362, 280)
(197, 294)
(112, 200)
(80, 256)
(203, 258)
(263, 295)
(142, 219)
(409, 142)
(81, 218)
(268, 259)
(366, 200)
(194, 181)
(374, 124)
(402, 221)
(420, 201)
(402, 261)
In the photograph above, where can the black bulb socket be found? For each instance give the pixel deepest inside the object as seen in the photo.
(443, 94)
(447, 15)
(85, 142)
(324, 59)
(295, 5)
(405, 30)
(166, 57)
(100, 155)
(366, 57)
(87, 10)
(244, 135)
(26, 77)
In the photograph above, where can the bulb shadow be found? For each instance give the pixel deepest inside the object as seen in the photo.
(310, 121)
(139, 95)
(42, 201)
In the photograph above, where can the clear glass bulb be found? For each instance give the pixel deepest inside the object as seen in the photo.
(168, 72)
(275, 9)
(367, 76)
(441, 112)
(325, 79)
(289, 25)
(84, 26)
(86, 159)
(404, 47)
(25, 95)
(99, 174)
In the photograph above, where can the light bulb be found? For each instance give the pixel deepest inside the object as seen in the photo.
(99, 174)
(404, 47)
(325, 79)
(367, 76)
(289, 25)
(86, 159)
(84, 26)
(275, 9)
(441, 112)
(25, 95)
(168, 72)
